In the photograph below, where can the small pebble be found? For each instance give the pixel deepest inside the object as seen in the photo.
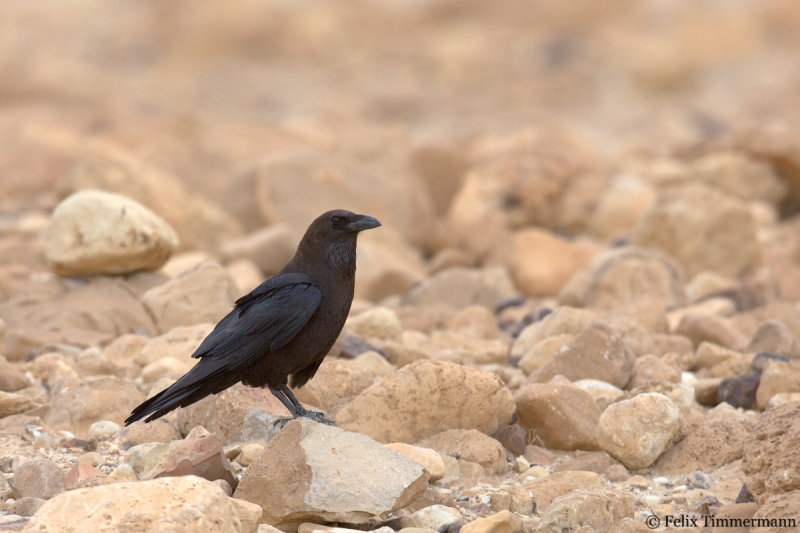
(250, 452)
(224, 485)
(232, 452)
(521, 464)
(537, 472)
(124, 471)
(103, 430)
(92, 458)
(651, 499)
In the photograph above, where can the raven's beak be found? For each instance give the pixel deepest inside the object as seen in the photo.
(365, 222)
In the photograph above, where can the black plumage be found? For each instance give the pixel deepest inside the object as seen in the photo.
(279, 333)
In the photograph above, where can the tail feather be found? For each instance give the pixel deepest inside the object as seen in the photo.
(186, 391)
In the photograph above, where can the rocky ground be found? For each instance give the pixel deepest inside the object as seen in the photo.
(582, 312)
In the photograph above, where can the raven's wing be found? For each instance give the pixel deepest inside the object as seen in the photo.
(263, 320)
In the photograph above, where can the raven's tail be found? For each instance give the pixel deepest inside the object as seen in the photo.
(192, 387)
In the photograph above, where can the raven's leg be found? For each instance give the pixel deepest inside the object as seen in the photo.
(289, 404)
(284, 394)
(316, 415)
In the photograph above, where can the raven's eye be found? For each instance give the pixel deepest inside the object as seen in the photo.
(337, 221)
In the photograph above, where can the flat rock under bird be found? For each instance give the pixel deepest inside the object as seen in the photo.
(278, 334)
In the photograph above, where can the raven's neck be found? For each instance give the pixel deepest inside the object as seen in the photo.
(338, 257)
(341, 256)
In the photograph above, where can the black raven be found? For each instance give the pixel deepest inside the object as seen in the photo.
(283, 329)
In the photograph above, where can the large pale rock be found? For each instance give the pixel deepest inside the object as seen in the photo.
(597, 462)
(182, 262)
(239, 413)
(560, 415)
(269, 248)
(604, 394)
(456, 346)
(76, 312)
(637, 431)
(203, 294)
(629, 285)
(546, 489)
(441, 166)
(200, 223)
(503, 522)
(282, 183)
(12, 377)
(703, 327)
(564, 322)
(703, 230)
(748, 322)
(75, 408)
(598, 508)
(774, 336)
(470, 445)
(374, 363)
(541, 262)
(621, 206)
(776, 144)
(738, 175)
(649, 369)
(179, 343)
(245, 274)
(124, 350)
(433, 517)
(378, 323)
(38, 478)
(476, 322)
(777, 377)
(95, 232)
(144, 457)
(708, 445)
(386, 265)
(185, 504)
(427, 397)
(427, 457)
(772, 453)
(336, 382)
(528, 182)
(780, 512)
(616, 277)
(159, 430)
(198, 456)
(596, 352)
(12, 403)
(313, 472)
(54, 368)
(541, 353)
(461, 287)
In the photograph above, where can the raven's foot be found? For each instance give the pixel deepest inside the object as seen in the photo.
(280, 422)
(316, 416)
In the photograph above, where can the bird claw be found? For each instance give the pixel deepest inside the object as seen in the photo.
(281, 422)
(316, 416)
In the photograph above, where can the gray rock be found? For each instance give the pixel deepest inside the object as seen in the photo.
(257, 425)
(38, 478)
